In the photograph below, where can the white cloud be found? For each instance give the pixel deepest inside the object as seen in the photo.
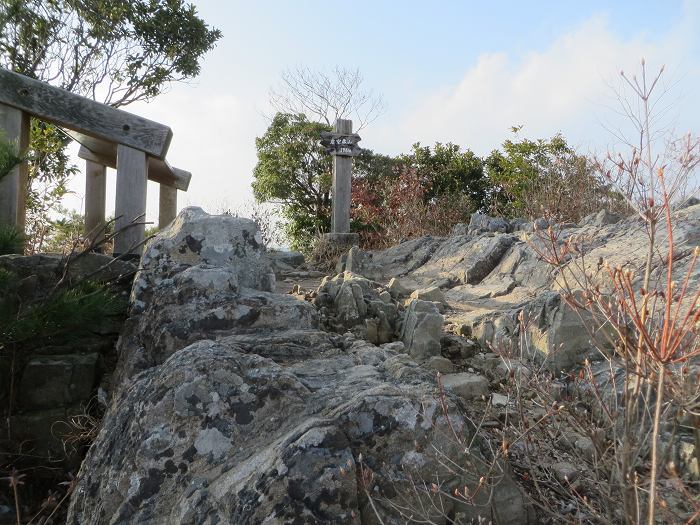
(213, 138)
(564, 88)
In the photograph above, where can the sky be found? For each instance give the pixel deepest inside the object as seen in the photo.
(449, 71)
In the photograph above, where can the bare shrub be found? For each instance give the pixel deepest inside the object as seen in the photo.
(569, 189)
(325, 254)
(399, 211)
(649, 336)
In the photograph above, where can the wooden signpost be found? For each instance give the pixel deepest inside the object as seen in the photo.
(342, 144)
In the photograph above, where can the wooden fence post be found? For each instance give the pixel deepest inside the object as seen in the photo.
(342, 180)
(130, 205)
(167, 205)
(95, 200)
(15, 126)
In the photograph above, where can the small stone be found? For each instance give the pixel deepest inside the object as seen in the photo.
(439, 364)
(499, 400)
(565, 472)
(432, 294)
(397, 289)
(585, 446)
(689, 459)
(395, 347)
(385, 297)
(467, 386)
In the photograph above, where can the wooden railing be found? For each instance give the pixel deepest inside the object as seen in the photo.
(136, 147)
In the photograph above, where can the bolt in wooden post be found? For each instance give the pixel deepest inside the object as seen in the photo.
(130, 205)
(95, 200)
(167, 205)
(15, 126)
(342, 177)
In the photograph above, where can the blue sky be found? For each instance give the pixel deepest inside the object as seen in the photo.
(449, 71)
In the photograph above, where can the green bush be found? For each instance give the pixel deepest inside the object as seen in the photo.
(9, 156)
(65, 315)
(11, 240)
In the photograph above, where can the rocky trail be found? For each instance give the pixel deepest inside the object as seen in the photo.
(250, 390)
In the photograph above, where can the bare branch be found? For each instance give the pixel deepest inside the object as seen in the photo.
(325, 97)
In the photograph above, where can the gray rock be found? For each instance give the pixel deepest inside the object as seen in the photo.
(205, 276)
(397, 289)
(689, 202)
(439, 364)
(243, 412)
(197, 238)
(293, 259)
(465, 259)
(422, 330)
(556, 333)
(480, 223)
(56, 381)
(218, 434)
(604, 218)
(396, 261)
(432, 294)
(457, 347)
(565, 472)
(39, 273)
(499, 400)
(466, 385)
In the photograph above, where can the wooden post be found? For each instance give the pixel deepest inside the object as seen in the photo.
(342, 177)
(167, 205)
(95, 199)
(130, 205)
(15, 126)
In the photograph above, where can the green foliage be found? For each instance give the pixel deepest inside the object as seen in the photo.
(9, 156)
(375, 167)
(447, 170)
(66, 315)
(11, 240)
(50, 170)
(65, 233)
(113, 51)
(118, 51)
(517, 168)
(546, 177)
(294, 171)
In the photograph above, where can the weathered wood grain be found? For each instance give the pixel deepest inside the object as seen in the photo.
(158, 170)
(95, 199)
(130, 205)
(83, 115)
(14, 124)
(342, 176)
(167, 205)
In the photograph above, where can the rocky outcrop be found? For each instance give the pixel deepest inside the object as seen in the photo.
(491, 271)
(204, 277)
(51, 379)
(241, 411)
(396, 261)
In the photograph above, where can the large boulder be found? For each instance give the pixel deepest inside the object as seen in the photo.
(205, 276)
(219, 435)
